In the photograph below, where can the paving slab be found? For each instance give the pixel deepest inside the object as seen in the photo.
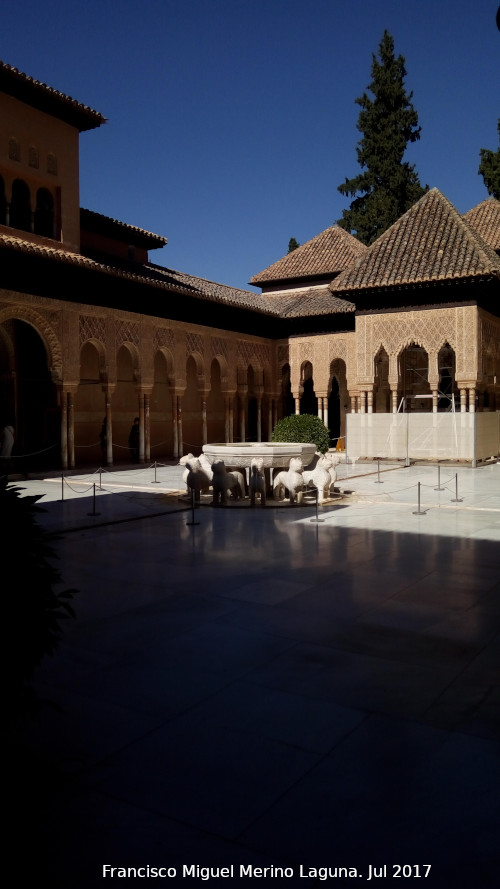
(263, 690)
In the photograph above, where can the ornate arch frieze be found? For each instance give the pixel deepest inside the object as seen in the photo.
(46, 331)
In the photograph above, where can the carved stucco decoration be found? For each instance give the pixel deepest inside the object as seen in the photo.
(321, 351)
(337, 348)
(283, 354)
(163, 337)
(258, 354)
(430, 329)
(219, 350)
(92, 328)
(45, 330)
(127, 331)
(489, 348)
(218, 346)
(195, 344)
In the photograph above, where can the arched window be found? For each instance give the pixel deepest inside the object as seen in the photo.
(414, 375)
(308, 400)
(20, 206)
(44, 213)
(287, 399)
(447, 388)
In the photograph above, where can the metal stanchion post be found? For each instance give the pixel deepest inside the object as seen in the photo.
(317, 520)
(192, 522)
(419, 511)
(100, 478)
(156, 482)
(62, 487)
(378, 482)
(93, 505)
(439, 488)
(457, 499)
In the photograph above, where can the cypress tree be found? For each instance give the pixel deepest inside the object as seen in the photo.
(292, 245)
(489, 168)
(387, 187)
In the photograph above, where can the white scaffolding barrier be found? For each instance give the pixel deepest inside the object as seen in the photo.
(469, 437)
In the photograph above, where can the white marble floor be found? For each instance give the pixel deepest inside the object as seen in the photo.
(263, 690)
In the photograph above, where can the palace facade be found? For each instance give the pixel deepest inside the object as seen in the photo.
(395, 346)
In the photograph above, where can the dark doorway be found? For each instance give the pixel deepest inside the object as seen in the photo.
(32, 400)
(334, 412)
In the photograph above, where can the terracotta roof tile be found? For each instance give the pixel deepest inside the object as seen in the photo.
(59, 254)
(304, 302)
(92, 221)
(327, 254)
(290, 303)
(39, 95)
(430, 243)
(220, 293)
(485, 219)
(149, 274)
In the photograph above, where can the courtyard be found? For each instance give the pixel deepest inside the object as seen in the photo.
(265, 691)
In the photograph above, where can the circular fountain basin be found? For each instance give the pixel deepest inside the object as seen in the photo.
(276, 455)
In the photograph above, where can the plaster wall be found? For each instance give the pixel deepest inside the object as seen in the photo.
(49, 136)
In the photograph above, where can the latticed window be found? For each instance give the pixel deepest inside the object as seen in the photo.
(33, 157)
(52, 164)
(14, 149)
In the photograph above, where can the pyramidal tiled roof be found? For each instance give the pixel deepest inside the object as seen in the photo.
(430, 243)
(485, 219)
(327, 254)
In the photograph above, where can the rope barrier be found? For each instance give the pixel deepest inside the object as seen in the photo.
(450, 485)
(82, 447)
(74, 489)
(32, 453)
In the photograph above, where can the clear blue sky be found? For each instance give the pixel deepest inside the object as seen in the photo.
(231, 122)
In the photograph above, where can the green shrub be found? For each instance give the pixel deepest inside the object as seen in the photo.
(32, 610)
(303, 428)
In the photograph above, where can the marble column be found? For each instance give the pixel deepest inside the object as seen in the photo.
(180, 443)
(243, 411)
(204, 419)
(71, 429)
(147, 428)
(141, 428)
(176, 453)
(64, 430)
(109, 429)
